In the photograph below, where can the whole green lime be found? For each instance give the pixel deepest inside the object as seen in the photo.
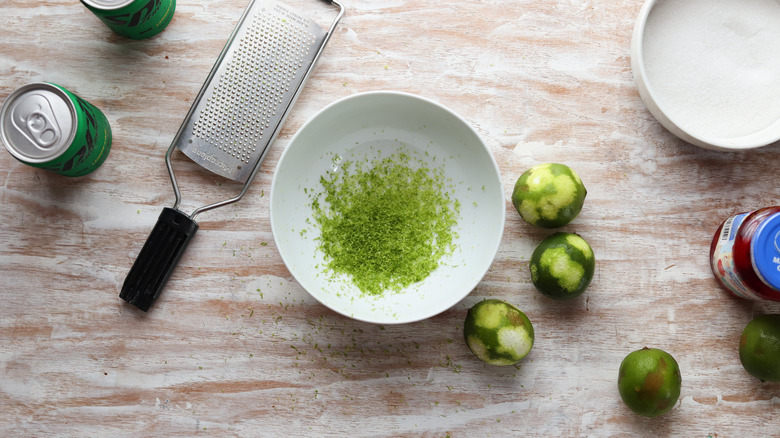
(562, 266)
(759, 348)
(649, 381)
(549, 195)
(498, 332)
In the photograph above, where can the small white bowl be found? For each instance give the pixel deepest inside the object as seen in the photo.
(709, 70)
(365, 122)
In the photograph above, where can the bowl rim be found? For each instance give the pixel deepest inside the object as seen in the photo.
(647, 94)
(483, 144)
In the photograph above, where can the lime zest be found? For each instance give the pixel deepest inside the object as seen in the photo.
(385, 222)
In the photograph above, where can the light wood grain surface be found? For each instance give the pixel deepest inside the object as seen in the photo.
(235, 347)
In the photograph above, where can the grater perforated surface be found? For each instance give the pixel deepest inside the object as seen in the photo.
(246, 99)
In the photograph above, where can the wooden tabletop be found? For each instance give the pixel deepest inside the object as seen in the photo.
(236, 347)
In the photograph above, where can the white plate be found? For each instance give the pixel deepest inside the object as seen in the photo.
(359, 125)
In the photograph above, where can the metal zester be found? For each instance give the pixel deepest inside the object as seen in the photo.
(232, 123)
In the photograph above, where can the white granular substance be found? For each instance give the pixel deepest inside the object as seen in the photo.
(714, 65)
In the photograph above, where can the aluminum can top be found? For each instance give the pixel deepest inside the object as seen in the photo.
(38, 123)
(107, 5)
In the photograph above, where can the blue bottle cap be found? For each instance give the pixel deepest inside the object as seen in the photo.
(765, 251)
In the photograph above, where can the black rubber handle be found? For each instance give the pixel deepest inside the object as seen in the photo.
(157, 259)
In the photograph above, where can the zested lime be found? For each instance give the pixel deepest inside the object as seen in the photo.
(759, 348)
(498, 332)
(562, 266)
(549, 195)
(649, 381)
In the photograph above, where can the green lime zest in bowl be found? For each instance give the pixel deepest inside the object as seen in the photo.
(387, 207)
(385, 222)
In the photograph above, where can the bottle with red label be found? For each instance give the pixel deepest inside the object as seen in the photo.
(745, 254)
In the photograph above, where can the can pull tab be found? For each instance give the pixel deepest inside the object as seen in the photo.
(34, 118)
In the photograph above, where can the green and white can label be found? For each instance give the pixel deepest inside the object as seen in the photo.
(135, 19)
(46, 126)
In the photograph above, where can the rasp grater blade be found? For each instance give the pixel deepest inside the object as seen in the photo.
(232, 123)
(246, 98)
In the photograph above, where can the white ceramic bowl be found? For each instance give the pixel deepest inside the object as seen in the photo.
(708, 70)
(356, 125)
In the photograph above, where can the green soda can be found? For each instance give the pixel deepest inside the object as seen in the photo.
(46, 126)
(136, 19)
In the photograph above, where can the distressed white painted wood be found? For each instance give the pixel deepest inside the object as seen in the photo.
(235, 347)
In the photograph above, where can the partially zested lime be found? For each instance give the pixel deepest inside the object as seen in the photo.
(549, 195)
(498, 332)
(649, 381)
(759, 348)
(562, 266)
